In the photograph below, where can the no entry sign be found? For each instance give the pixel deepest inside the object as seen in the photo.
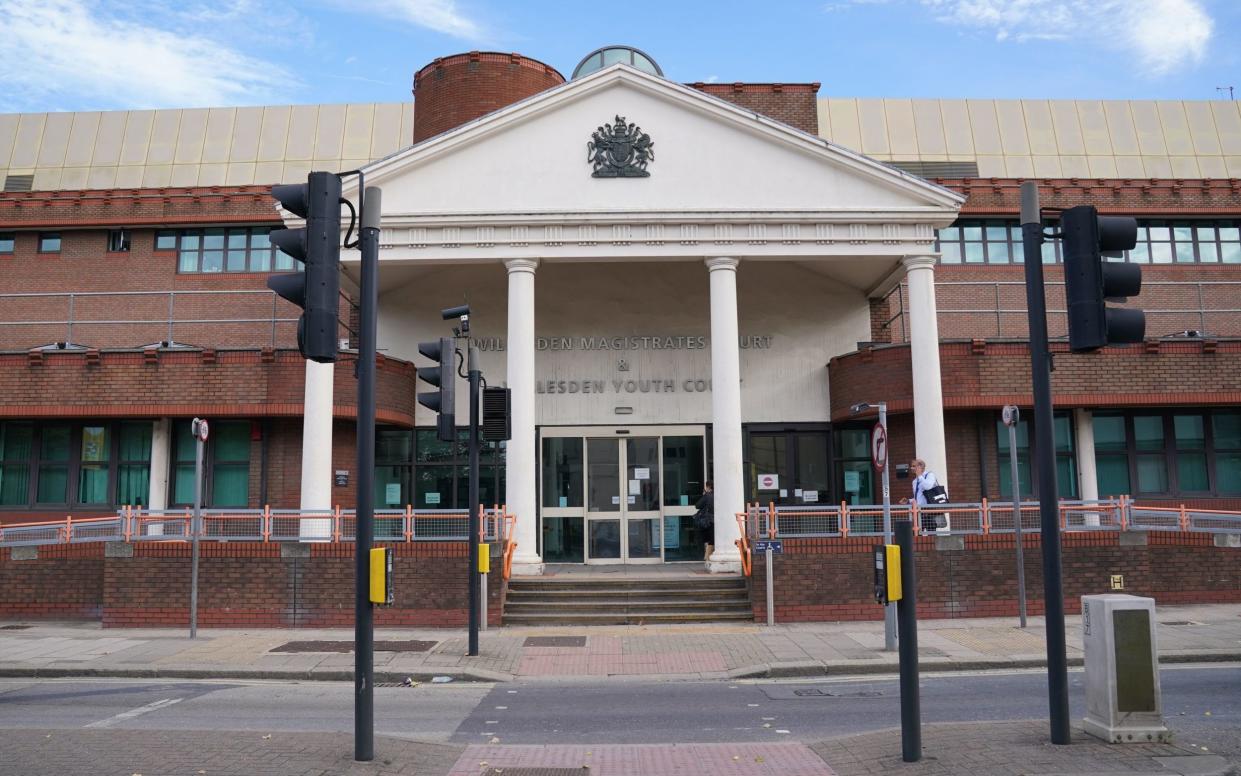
(879, 447)
(768, 482)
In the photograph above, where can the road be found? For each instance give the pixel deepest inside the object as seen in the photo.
(1203, 703)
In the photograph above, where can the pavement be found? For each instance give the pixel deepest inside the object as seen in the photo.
(1205, 633)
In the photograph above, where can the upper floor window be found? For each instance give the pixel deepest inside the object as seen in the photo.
(118, 241)
(49, 242)
(74, 464)
(1177, 452)
(7, 241)
(1159, 241)
(224, 249)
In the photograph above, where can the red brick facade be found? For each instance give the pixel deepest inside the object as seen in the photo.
(454, 90)
(792, 104)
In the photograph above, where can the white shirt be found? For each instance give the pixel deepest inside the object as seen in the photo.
(922, 485)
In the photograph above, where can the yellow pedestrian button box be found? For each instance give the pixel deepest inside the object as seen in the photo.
(887, 573)
(381, 576)
(484, 558)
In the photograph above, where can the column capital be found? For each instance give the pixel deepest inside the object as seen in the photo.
(721, 262)
(919, 262)
(522, 265)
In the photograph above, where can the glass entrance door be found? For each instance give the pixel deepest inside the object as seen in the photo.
(621, 498)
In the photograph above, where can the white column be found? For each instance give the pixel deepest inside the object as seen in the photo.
(924, 360)
(317, 449)
(161, 453)
(1087, 474)
(725, 415)
(520, 454)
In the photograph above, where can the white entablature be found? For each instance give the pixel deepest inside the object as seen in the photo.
(723, 180)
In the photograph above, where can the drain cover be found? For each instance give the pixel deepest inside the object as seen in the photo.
(536, 771)
(347, 646)
(553, 641)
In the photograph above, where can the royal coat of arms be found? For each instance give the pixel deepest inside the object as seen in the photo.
(620, 150)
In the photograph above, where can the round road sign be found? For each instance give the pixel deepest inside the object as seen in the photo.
(768, 481)
(200, 429)
(879, 447)
(1011, 415)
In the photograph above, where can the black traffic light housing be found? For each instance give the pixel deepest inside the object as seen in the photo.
(316, 289)
(443, 376)
(1089, 281)
(497, 414)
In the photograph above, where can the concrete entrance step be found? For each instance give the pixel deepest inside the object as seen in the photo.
(625, 600)
(653, 594)
(624, 618)
(661, 583)
(627, 604)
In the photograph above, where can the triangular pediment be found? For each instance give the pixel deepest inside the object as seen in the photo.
(710, 157)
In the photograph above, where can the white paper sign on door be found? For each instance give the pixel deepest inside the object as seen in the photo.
(809, 495)
(635, 487)
(641, 474)
(853, 481)
(616, 500)
(769, 482)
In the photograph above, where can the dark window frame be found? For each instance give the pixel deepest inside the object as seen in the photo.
(11, 239)
(73, 464)
(209, 463)
(791, 432)
(1028, 456)
(1169, 452)
(119, 241)
(491, 469)
(258, 255)
(50, 236)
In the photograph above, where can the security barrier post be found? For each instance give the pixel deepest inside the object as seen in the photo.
(907, 626)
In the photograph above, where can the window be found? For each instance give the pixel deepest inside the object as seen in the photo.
(224, 249)
(414, 467)
(394, 465)
(1175, 452)
(1159, 241)
(49, 242)
(798, 455)
(853, 466)
(74, 464)
(118, 241)
(226, 464)
(7, 241)
(1066, 462)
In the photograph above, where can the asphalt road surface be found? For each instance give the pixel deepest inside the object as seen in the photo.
(1202, 703)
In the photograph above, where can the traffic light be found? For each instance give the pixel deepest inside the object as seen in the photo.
(1089, 281)
(317, 245)
(443, 376)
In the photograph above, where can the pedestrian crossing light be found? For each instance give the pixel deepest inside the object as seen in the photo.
(316, 289)
(443, 376)
(1090, 281)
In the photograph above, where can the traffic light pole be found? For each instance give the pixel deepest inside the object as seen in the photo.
(475, 375)
(1044, 441)
(363, 628)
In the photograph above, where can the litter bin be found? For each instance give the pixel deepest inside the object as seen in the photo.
(1122, 669)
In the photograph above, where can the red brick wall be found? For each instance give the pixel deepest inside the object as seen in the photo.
(1121, 196)
(240, 585)
(456, 89)
(832, 579)
(792, 104)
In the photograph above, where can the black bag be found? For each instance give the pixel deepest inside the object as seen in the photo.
(936, 495)
(702, 520)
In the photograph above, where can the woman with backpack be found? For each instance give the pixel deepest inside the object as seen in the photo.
(704, 518)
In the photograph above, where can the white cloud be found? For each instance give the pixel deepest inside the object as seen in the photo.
(141, 55)
(438, 15)
(1165, 35)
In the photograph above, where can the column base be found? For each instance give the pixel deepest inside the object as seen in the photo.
(528, 566)
(724, 566)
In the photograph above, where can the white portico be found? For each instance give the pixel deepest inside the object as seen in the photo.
(650, 318)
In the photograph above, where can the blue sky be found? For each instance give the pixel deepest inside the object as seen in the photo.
(88, 54)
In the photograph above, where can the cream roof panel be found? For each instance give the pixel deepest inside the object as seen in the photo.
(1130, 167)
(407, 125)
(1039, 129)
(218, 142)
(157, 176)
(1049, 167)
(1202, 130)
(303, 121)
(1212, 167)
(81, 145)
(1096, 140)
(192, 136)
(1157, 167)
(1102, 166)
(1121, 128)
(359, 123)
(47, 178)
(101, 178)
(874, 128)
(129, 176)
(1068, 128)
(1175, 128)
(137, 137)
(240, 174)
(108, 137)
(845, 128)
(275, 133)
(1012, 124)
(985, 126)
(991, 167)
(1019, 166)
(1072, 166)
(212, 174)
(8, 134)
(1185, 167)
(1234, 166)
(386, 134)
(929, 124)
(247, 124)
(1227, 123)
(165, 130)
(269, 173)
(29, 136)
(55, 139)
(1149, 128)
(958, 135)
(902, 136)
(75, 177)
(184, 175)
(330, 131)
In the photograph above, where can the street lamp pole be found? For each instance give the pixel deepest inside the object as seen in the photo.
(889, 609)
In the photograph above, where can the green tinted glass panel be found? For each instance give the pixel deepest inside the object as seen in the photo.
(165, 240)
(394, 446)
(213, 239)
(858, 484)
(213, 261)
(230, 487)
(231, 441)
(1113, 474)
(1152, 474)
(188, 261)
(1066, 476)
(1062, 428)
(1148, 432)
(1190, 432)
(53, 484)
(92, 484)
(1191, 471)
(1228, 473)
(433, 488)
(183, 484)
(1227, 428)
(1109, 433)
(391, 486)
(133, 484)
(15, 441)
(1023, 437)
(430, 449)
(55, 443)
(950, 253)
(184, 442)
(683, 474)
(135, 444)
(14, 484)
(854, 442)
(1006, 478)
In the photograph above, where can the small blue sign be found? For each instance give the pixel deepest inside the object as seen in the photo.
(775, 545)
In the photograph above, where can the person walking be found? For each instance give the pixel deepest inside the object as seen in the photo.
(926, 490)
(704, 518)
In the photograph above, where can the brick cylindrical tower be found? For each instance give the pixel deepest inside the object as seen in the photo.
(459, 88)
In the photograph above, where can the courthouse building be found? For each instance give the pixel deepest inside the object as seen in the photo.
(679, 282)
